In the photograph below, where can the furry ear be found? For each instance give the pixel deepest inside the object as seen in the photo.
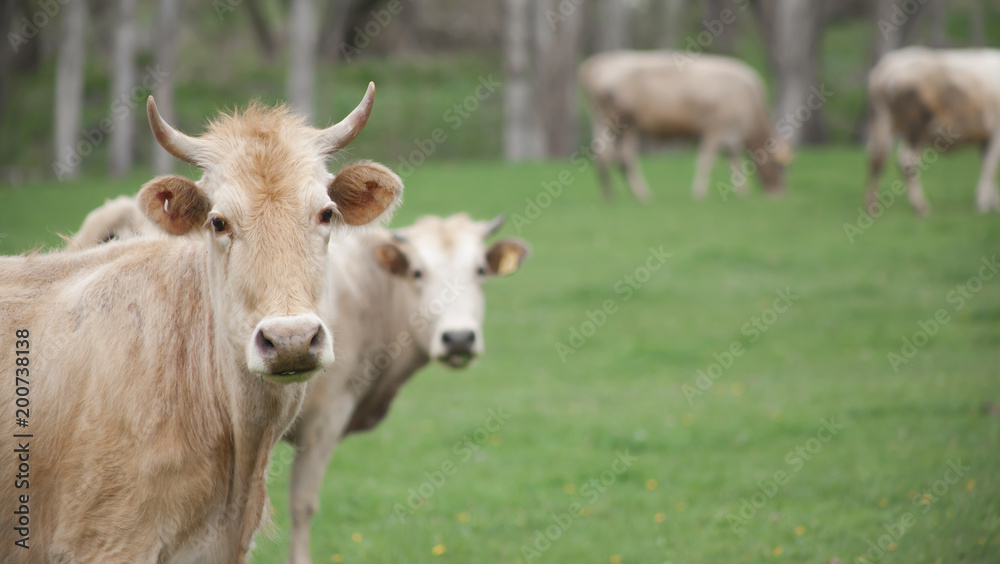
(393, 259)
(365, 191)
(174, 203)
(506, 256)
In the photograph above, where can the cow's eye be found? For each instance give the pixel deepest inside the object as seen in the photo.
(220, 225)
(481, 271)
(417, 274)
(326, 216)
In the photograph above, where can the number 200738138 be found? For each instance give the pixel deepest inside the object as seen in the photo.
(22, 349)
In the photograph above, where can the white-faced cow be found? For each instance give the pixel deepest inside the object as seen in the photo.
(162, 371)
(673, 95)
(403, 300)
(934, 101)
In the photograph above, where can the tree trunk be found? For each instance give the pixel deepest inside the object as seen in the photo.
(558, 38)
(724, 39)
(262, 30)
(978, 34)
(163, 92)
(122, 81)
(672, 15)
(612, 25)
(333, 35)
(69, 90)
(792, 33)
(302, 32)
(522, 136)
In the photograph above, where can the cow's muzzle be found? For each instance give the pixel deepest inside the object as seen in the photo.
(459, 348)
(290, 348)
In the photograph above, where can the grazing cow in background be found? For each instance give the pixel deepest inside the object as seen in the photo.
(671, 95)
(935, 100)
(403, 300)
(162, 371)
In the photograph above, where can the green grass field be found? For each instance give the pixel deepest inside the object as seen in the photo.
(885, 476)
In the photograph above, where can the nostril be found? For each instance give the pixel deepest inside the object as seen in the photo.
(317, 340)
(458, 339)
(263, 343)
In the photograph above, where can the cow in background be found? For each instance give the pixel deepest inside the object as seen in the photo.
(673, 95)
(934, 100)
(120, 218)
(162, 371)
(404, 299)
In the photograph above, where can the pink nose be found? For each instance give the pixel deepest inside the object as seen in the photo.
(290, 345)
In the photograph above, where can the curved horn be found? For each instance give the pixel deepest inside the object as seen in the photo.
(176, 143)
(336, 137)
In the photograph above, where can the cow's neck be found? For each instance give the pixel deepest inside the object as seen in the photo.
(260, 411)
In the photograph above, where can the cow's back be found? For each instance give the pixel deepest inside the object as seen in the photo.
(955, 93)
(671, 94)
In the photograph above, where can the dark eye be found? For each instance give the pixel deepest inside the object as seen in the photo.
(219, 225)
(417, 274)
(326, 216)
(482, 271)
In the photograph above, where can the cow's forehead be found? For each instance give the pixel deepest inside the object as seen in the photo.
(453, 239)
(263, 155)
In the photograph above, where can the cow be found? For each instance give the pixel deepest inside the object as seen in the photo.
(402, 299)
(934, 101)
(120, 218)
(158, 373)
(673, 95)
(412, 296)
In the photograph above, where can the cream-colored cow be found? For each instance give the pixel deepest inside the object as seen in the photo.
(934, 101)
(674, 95)
(402, 298)
(162, 371)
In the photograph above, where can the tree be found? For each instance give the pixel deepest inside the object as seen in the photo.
(69, 89)
(122, 82)
(792, 30)
(612, 25)
(672, 15)
(726, 36)
(303, 34)
(163, 91)
(558, 41)
(262, 30)
(522, 136)
(333, 33)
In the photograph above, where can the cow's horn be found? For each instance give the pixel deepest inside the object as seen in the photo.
(176, 143)
(336, 137)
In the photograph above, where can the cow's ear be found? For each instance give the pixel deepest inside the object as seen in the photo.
(393, 259)
(365, 191)
(506, 256)
(174, 203)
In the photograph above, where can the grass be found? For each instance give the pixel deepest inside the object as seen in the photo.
(622, 391)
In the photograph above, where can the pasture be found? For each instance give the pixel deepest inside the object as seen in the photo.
(506, 454)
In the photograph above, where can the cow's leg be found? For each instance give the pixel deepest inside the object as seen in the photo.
(703, 167)
(317, 438)
(879, 145)
(909, 162)
(629, 154)
(987, 198)
(736, 176)
(605, 150)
